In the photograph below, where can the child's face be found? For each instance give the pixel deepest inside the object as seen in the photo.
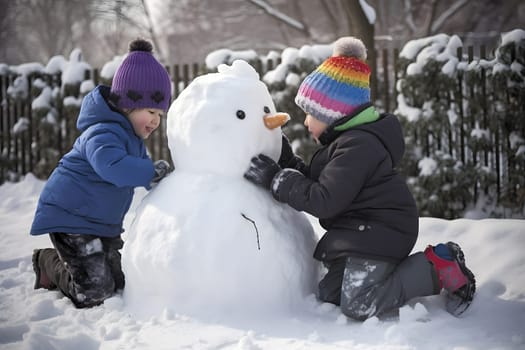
(315, 127)
(145, 120)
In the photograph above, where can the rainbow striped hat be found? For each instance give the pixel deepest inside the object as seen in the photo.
(339, 85)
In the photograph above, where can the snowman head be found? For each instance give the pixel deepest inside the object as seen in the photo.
(222, 120)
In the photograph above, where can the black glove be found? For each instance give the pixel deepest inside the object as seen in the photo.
(162, 168)
(262, 170)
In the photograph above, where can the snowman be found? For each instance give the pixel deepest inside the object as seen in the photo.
(205, 241)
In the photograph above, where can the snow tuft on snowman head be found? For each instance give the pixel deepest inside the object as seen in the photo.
(239, 69)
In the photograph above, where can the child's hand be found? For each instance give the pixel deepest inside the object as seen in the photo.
(162, 168)
(262, 170)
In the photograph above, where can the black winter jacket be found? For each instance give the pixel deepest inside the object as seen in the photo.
(352, 186)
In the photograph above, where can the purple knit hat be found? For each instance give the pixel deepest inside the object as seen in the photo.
(141, 81)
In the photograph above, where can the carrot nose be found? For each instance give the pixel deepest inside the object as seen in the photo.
(272, 121)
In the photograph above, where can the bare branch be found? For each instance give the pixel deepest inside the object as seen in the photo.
(333, 19)
(452, 10)
(279, 15)
(151, 31)
(427, 23)
(409, 19)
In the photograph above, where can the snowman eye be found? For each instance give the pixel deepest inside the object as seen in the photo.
(266, 109)
(240, 114)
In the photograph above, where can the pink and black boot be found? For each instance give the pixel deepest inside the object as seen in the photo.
(454, 276)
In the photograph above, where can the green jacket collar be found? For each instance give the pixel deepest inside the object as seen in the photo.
(366, 114)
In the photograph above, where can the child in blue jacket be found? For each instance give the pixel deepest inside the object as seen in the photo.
(84, 201)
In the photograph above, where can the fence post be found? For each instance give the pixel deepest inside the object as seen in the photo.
(395, 64)
(4, 128)
(386, 81)
(195, 69)
(185, 74)
(30, 132)
(257, 64)
(461, 112)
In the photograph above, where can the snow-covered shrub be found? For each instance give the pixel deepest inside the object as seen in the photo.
(468, 117)
(52, 95)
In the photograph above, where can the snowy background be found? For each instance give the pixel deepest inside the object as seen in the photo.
(39, 319)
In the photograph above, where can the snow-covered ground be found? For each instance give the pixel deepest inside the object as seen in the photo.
(39, 319)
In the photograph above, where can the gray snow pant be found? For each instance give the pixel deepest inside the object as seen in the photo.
(85, 268)
(364, 288)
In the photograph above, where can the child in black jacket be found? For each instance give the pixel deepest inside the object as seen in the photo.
(352, 186)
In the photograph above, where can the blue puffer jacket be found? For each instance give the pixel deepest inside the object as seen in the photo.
(91, 189)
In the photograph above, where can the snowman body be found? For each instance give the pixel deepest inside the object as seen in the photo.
(205, 240)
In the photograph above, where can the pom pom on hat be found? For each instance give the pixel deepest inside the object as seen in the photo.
(350, 47)
(339, 86)
(140, 45)
(141, 81)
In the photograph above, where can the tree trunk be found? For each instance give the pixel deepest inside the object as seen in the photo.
(360, 27)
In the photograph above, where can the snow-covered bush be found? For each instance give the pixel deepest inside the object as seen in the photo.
(52, 94)
(468, 117)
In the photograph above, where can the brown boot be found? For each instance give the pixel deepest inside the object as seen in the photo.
(41, 280)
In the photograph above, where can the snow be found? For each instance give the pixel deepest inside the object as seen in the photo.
(293, 79)
(520, 151)
(290, 58)
(39, 319)
(4, 69)
(55, 64)
(427, 166)
(215, 58)
(479, 133)
(515, 35)
(73, 72)
(440, 47)
(28, 68)
(72, 101)
(39, 83)
(19, 88)
(43, 101)
(86, 86)
(74, 69)
(515, 139)
(411, 113)
(451, 114)
(22, 124)
(108, 70)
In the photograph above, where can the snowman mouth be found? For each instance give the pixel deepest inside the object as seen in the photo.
(273, 121)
